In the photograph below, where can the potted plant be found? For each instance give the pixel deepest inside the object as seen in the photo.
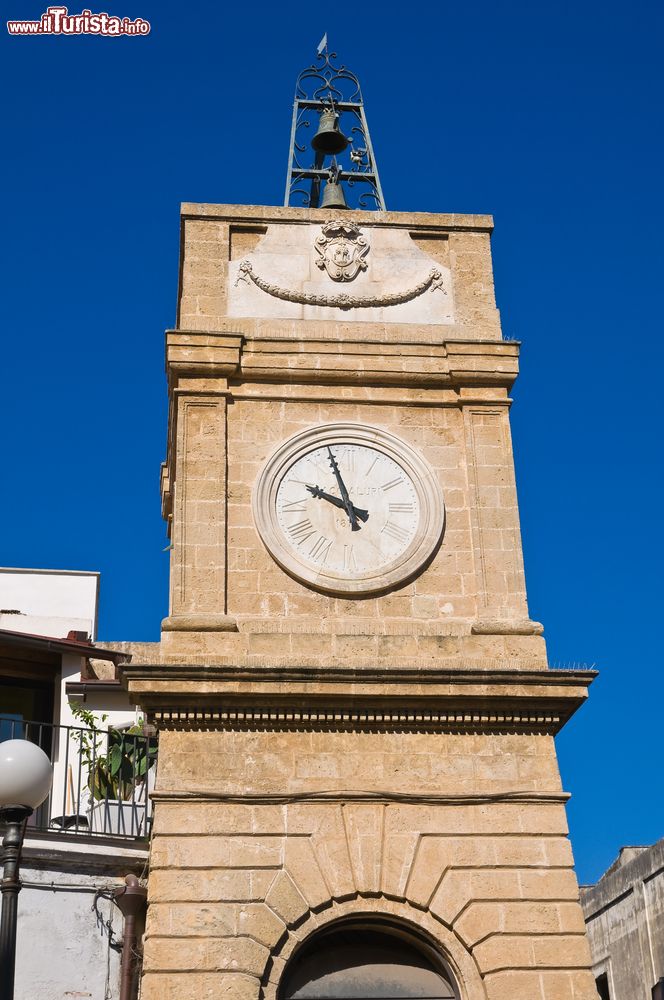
(117, 772)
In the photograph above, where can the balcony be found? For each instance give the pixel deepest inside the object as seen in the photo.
(101, 779)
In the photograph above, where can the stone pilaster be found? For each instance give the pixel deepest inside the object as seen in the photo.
(198, 556)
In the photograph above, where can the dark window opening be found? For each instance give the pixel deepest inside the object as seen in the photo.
(358, 962)
(602, 984)
(24, 700)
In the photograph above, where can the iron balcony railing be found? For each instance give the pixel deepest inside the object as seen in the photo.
(101, 778)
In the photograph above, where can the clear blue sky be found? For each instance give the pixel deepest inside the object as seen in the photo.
(547, 116)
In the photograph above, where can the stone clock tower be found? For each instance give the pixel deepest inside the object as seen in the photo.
(357, 793)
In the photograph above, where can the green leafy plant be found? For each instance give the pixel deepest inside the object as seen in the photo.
(116, 771)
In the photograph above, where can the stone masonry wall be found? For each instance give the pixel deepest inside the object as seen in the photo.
(220, 564)
(213, 235)
(233, 886)
(453, 586)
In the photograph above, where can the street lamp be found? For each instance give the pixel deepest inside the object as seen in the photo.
(25, 781)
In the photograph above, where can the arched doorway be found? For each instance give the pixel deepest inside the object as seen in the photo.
(357, 960)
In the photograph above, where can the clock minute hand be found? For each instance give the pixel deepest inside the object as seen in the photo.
(348, 507)
(320, 494)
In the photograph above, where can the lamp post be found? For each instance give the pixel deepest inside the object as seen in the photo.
(25, 781)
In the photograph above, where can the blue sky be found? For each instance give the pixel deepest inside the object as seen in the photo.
(547, 116)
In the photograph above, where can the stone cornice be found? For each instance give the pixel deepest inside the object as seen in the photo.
(265, 214)
(330, 359)
(456, 676)
(411, 698)
(500, 720)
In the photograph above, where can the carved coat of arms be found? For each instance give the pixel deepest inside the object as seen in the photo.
(341, 250)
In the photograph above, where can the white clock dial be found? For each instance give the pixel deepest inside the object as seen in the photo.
(349, 508)
(377, 527)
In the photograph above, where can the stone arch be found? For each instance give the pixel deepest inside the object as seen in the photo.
(380, 909)
(367, 958)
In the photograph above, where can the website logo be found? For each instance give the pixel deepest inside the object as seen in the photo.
(58, 21)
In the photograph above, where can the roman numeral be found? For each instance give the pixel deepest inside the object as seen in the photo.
(375, 459)
(320, 548)
(301, 530)
(294, 506)
(394, 531)
(401, 508)
(392, 483)
(349, 558)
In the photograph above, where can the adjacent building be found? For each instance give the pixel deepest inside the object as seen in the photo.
(624, 913)
(88, 835)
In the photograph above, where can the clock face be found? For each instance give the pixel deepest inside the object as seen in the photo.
(349, 508)
(369, 534)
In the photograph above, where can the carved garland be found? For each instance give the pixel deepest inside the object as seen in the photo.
(342, 300)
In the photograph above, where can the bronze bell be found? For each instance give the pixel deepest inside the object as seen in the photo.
(333, 195)
(328, 139)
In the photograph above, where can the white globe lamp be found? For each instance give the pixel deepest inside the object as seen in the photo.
(25, 774)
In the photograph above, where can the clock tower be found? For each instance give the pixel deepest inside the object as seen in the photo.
(357, 791)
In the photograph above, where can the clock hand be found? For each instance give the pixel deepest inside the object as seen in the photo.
(320, 494)
(348, 507)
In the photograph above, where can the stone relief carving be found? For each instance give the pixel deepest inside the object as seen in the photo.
(434, 281)
(341, 250)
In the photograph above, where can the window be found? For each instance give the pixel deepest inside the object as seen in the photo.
(602, 984)
(23, 700)
(360, 961)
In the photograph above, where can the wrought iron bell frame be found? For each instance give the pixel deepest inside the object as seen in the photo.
(326, 86)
